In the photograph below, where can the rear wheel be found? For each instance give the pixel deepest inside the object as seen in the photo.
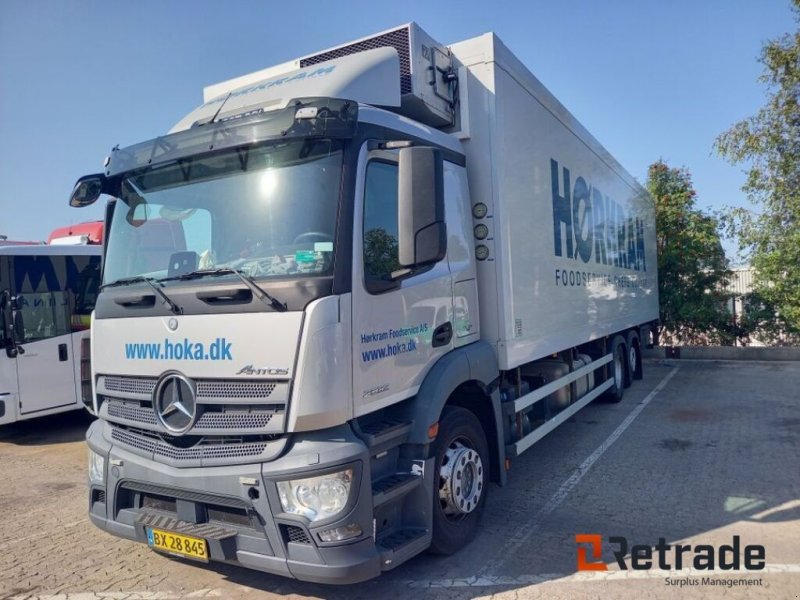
(459, 495)
(634, 358)
(618, 364)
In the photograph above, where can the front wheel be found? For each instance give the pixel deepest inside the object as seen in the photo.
(462, 462)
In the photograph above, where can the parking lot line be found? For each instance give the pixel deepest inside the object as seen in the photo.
(527, 529)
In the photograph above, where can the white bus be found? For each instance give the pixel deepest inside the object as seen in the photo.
(47, 294)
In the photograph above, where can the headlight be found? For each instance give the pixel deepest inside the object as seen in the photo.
(97, 463)
(316, 498)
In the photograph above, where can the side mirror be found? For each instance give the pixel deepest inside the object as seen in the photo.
(87, 190)
(18, 326)
(422, 234)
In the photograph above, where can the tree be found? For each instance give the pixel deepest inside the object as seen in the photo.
(692, 268)
(380, 253)
(769, 144)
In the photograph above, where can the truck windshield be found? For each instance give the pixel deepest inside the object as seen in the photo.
(267, 211)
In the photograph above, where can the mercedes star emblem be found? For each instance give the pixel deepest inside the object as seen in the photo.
(175, 403)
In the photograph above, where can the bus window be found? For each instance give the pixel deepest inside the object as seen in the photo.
(44, 315)
(83, 280)
(43, 303)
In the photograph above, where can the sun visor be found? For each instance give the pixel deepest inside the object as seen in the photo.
(371, 77)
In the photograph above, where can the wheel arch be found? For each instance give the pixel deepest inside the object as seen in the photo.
(465, 377)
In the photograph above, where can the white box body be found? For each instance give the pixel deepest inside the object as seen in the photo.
(534, 302)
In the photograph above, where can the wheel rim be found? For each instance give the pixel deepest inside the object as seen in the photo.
(632, 357)
(618, 370)
(460, 480)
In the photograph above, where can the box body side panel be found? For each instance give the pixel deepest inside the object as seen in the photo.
(572, 254)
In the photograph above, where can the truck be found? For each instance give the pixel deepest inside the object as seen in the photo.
(341, 297)
(90, 232)
(47, 294)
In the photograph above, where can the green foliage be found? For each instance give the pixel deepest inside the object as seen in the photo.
(768, 143)
(692, 268)
(380, 253)
(759, 321)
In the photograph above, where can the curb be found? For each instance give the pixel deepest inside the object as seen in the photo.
(723, 353)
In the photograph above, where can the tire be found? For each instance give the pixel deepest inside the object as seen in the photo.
(461, 455)
(634, 357)
(618, 371)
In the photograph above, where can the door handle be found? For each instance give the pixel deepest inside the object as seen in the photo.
(62, 352)
(442, 335)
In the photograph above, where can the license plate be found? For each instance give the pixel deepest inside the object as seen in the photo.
(178, 544)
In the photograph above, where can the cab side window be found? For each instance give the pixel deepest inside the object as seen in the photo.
(380, 222)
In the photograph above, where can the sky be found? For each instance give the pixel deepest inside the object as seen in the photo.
(649, 79)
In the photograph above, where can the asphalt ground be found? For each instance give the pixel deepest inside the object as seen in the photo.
(698, 452)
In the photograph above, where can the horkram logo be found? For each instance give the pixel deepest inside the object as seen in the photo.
(703, 557)
(588, 223)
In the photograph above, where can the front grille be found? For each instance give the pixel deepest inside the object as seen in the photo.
(208, 389)
(129, 438)
(397, 39)
(130, 385)
(224, 407)
(235, 420)
(214, 418)
(210, 451)
(130, 412)
(234, 389)
(205, 449)
(297, 535)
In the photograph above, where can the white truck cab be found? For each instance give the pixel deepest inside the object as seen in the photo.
(341, 294)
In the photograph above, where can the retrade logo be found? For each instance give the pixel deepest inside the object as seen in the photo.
(664, 556)
(595, 542)
(175, 403)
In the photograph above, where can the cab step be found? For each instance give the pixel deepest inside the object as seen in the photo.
(398, 547)
(393, 486)
(385, 434)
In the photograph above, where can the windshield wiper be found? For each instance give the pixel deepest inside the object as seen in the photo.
(152, 283)
(257, 290)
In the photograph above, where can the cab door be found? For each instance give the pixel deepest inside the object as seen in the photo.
(8, 363)
(45, 362)
(400, 328)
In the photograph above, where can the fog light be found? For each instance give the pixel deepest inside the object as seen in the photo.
(340, 534)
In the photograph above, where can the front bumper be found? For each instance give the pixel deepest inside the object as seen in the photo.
(237, 510)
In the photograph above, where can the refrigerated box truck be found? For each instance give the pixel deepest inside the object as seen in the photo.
(343, 294)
